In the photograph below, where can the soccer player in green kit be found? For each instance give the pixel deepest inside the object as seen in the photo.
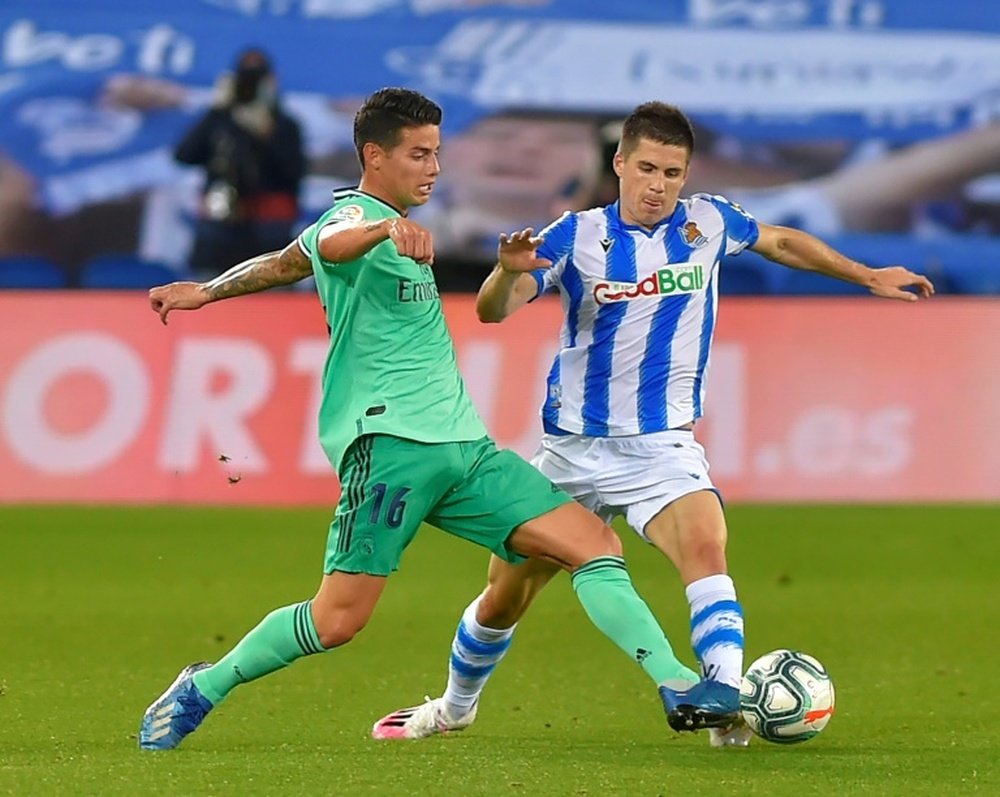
(399, 428)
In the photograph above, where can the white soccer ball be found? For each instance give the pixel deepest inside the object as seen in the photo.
(786, 697)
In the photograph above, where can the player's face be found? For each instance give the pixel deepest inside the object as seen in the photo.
(650, 179)
(407, 172)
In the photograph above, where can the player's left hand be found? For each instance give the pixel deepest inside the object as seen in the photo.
(516, 252)
(891, 283)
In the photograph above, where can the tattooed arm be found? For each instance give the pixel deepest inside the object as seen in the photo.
(256, 274)
(260, 273)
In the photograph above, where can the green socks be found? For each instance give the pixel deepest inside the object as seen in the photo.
(602, 586)
(605, 590)
(285, 635)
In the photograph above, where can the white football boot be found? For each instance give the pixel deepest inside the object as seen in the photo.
(735, 735)
(419, 722)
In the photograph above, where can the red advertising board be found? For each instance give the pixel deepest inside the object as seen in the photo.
(809, 400)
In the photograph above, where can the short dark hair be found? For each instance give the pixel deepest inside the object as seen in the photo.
(253, 58)
(386, 112)
(659, 122)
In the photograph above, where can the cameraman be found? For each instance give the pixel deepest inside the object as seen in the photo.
(253, 158)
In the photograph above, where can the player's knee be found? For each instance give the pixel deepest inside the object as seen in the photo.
(602, 541)
(705, 549)
(611, 543)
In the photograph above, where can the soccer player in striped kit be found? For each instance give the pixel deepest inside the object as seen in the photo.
(638, 281)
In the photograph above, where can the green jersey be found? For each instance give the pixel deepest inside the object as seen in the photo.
(391, 368)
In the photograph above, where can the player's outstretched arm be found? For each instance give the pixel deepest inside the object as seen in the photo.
(342, 243)
(797, 249)
(509, 286)
(256, 274)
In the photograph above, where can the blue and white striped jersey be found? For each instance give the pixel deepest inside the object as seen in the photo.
(640, 312)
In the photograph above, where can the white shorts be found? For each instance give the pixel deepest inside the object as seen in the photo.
(634, 476)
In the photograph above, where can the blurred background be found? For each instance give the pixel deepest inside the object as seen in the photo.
(874, 124)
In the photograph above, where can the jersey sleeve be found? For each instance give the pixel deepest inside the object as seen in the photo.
(344, 212)
(557, 247)
(307, 240)
(741, 228)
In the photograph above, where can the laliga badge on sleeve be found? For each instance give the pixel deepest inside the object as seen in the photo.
(349, 213)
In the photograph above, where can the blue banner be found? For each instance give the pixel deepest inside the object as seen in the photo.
(93, 96)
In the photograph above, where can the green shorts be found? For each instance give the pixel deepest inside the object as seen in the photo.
(390, 485)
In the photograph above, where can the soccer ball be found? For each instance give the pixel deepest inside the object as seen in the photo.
(786, 697)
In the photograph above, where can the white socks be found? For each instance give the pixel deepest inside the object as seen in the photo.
(717, 628)
(475, 652)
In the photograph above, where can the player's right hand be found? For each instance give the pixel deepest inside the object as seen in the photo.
(176, 296)
(412, 240)
(516, 252)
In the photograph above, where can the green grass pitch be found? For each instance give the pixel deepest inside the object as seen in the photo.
(100, 607)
